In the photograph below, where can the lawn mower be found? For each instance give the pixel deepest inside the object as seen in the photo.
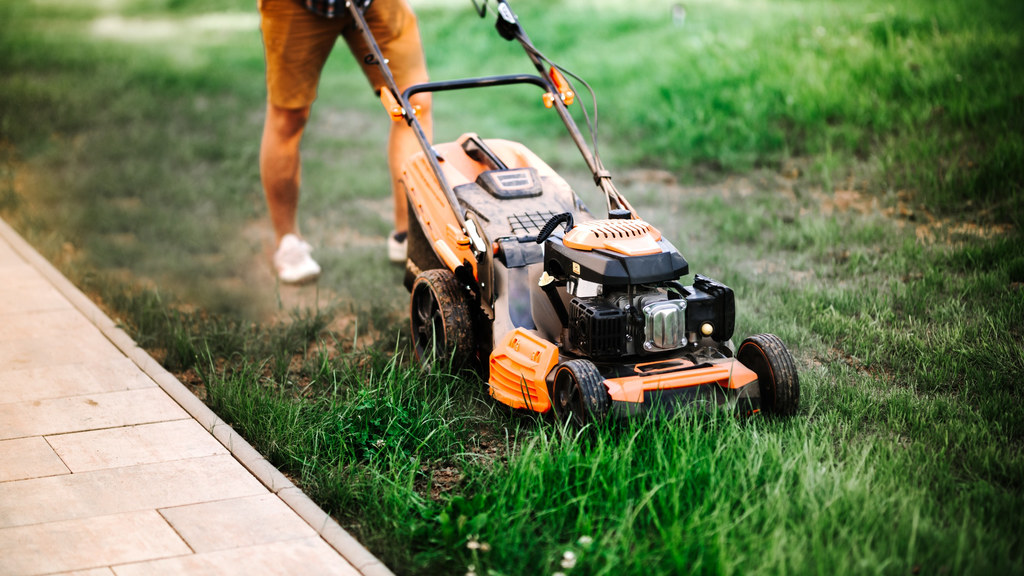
(561, 310)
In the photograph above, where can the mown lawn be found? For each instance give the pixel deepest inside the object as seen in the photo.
(852, 169)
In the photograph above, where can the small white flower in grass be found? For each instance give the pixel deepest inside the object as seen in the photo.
(558, 574)
(568, 559)
(585, 541)
(471, 570)
(473, 545)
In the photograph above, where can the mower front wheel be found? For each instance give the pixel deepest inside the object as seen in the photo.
(767, 356)
(579, 393)
(442, 327)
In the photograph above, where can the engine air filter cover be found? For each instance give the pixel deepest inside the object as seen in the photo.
(597, 328)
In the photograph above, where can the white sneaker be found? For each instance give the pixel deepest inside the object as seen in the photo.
(398, 247)
(293, 263)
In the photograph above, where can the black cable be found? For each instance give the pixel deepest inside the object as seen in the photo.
(553, 223)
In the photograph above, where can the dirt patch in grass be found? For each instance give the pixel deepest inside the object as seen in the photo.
(440, 478)
(792, 193)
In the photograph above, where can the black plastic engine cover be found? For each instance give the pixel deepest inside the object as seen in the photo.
(711, 301)
(611, 268)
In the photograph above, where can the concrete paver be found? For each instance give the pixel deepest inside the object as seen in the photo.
(134, 445)
(87, 412)
(25, 292)
(73, 349)
(312, 554)
(95, 541)
(235, 523)
(46, 382)
(110, 466)
(20, 325)
(29, 458)
(116, 490)
(93, 572)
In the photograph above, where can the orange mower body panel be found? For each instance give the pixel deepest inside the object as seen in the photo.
(519, 367)
(728, 374)
(428, 199)
(522, 362)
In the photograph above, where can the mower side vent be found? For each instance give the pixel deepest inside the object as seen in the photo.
(620, 228)
(629, 237)
(597, 328)
(512, 183)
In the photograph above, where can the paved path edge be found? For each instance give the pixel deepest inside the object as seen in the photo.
(328, 529)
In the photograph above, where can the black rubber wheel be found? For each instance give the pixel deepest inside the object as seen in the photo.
(767, 356)
(579, 393)
(442, 328)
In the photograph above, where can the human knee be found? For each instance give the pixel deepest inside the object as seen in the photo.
(287, 122)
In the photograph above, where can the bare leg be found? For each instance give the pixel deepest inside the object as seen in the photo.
(280, 166)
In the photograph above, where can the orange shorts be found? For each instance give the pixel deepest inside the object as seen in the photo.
(297, 43)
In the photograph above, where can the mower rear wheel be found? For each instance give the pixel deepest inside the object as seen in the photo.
(419, 250)
(579, 393)
(767, 356)
(442, 327)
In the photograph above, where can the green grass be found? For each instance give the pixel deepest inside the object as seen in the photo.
(131, 163)
(928, 97)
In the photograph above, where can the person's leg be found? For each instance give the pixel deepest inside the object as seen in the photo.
(280, 166)
(296, 45)
(280, 171)
(395, 28)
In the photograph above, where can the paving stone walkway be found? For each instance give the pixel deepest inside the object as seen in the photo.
(109, 465)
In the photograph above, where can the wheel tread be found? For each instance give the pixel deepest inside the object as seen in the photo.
(455, 315)
(780, 393)
(596, 399)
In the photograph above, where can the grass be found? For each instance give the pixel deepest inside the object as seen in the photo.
(851, 169)
(924, 97)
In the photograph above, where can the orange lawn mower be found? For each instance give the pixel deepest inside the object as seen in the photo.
(563, 311)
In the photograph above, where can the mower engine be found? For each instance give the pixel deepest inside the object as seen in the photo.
(621, 278)
(648, 320)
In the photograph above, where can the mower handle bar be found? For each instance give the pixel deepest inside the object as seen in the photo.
(509, 28)
(479, 82)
